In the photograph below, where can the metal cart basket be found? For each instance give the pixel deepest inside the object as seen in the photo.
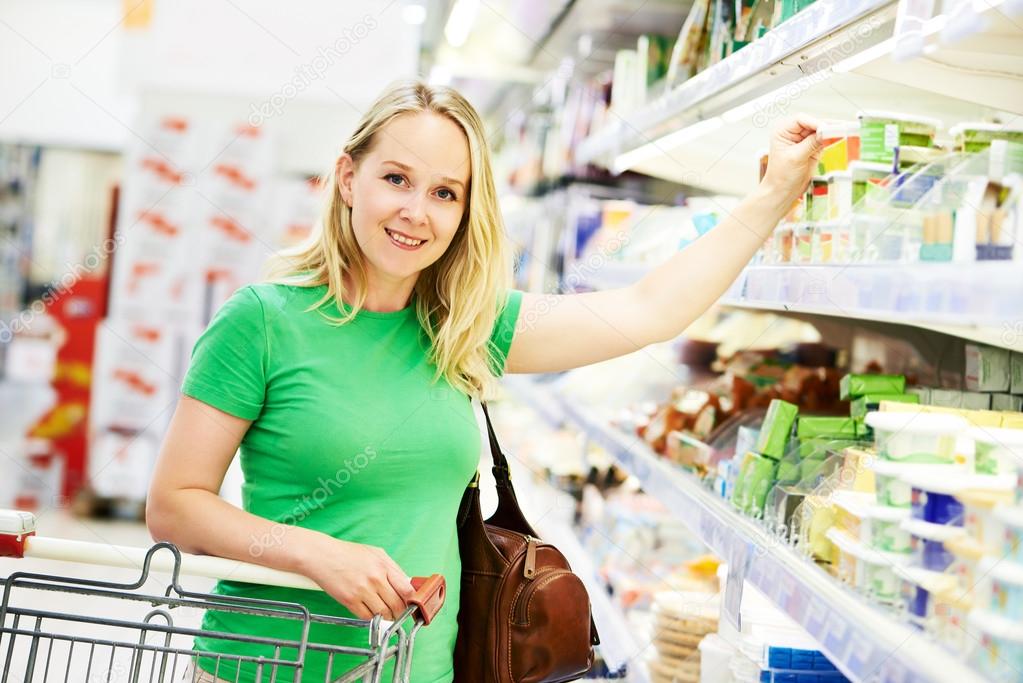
(155, 641)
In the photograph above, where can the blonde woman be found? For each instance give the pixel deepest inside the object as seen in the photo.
(347, 381)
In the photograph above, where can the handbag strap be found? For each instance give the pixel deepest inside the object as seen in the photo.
(502, 474)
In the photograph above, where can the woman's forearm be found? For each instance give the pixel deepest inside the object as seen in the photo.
(682, 288)
(200, 522)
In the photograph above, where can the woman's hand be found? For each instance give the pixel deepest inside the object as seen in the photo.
(792, 160)
(363, 578)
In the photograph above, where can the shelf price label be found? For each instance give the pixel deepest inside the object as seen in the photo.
(738, 565)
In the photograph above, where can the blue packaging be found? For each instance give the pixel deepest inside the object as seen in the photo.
(936, 508)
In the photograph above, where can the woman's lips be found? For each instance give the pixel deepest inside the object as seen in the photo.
(403, 241)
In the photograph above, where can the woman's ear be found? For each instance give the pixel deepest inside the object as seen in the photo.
(344, 171)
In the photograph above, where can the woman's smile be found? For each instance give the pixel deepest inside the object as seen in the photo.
(404, 241)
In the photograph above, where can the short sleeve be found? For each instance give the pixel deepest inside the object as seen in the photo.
(228, 368)
(504, 331)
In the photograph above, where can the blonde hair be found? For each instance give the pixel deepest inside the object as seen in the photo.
(457, 298)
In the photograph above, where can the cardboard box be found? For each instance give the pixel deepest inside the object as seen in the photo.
(853, 386)
(1016, 372)
(987, 368)
(1006, 402)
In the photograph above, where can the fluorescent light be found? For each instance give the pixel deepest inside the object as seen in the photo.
(885, 47)
(460, 22)
(651, 150)
(414, 14)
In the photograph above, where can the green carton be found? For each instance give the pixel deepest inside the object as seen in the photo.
(854, 386)
(774, 433)
(864, 404)
(837, 427)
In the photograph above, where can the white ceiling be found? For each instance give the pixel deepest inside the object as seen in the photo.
(70, 69)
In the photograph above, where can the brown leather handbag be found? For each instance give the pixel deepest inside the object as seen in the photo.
(524, 616)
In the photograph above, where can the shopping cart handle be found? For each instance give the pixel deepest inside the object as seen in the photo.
(429, 596)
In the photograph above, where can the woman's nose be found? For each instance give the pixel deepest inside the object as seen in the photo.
(414, 210)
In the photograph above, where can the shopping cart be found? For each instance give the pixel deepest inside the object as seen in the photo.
(155, 642)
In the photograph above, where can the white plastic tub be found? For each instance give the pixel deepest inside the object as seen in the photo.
(922, 438)
(997, 450)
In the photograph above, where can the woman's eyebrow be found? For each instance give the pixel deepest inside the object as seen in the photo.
(408, 169)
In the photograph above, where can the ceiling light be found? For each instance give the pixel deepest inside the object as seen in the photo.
(414, 14)
(460, 22)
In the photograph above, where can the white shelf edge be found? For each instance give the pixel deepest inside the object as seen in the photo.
(864, 642)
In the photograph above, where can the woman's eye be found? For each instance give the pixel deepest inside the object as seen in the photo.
(394, 179)
(446, 194)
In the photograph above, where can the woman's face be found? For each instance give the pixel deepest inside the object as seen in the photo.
(408, 194)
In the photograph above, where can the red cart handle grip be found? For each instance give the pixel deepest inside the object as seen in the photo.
(429, 596)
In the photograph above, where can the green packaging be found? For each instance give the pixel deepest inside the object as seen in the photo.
(774, 433)
(817, 448)
(882, 132)
(853, 386)
(761, 474)
(813, 426)
(864, 404)
(739, 488)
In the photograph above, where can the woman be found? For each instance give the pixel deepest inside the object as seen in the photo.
(347, 381)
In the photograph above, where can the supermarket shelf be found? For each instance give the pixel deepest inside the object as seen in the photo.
(541, 502)
(863, 641)
(981, 302)
(830, 60)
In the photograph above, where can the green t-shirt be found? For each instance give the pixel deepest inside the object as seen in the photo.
(351, 437)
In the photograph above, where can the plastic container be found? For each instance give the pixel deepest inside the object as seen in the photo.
(916, 437)
(999, 653)
(978, 516)
(951, 608)
(876, 526)
(872, 572)
(997, 450)
(881, 132)
(869, 183)
(891, 490)
(966, 556)
(877, 238)
(976, 137)
(1011, 519)
(933, 498)
(715, 654)
(928, 542)
(917, 588)
(1006, 597)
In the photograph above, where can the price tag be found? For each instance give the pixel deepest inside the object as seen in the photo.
(816, 617)
(996, 162)
(891, 136)
(738, 566)
(860, 654)
(835, 638)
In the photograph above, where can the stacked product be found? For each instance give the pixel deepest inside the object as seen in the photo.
(681, 621)
(887, 190)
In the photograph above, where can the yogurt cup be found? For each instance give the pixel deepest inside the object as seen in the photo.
(916, 437)
(978, 516)
(893, 491)
(882, 131)
(917, 588)
(976, 137)
(928, 541)
(876, 526)
(997, 450)
(1006, 597)
(872, 572)
(1011, 519)
(999, 653)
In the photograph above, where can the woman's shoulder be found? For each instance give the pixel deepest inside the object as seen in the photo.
(282, 297)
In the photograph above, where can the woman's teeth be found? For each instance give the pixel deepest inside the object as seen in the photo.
(401, 239)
